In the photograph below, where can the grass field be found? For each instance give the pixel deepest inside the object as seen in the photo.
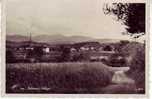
(69, 77)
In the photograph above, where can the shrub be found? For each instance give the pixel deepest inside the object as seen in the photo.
(136, 51)
(9, 56)
(116, 60)
(61, 77)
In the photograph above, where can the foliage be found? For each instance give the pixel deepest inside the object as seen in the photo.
(115, 61)
(131, 14)
(61, 77)
(137, 63)
(65, 56)
(137, 53)
(38, 52)
(107, 48)
(9, 56)
(120, 45)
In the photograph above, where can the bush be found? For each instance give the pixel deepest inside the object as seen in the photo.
(61, 77)
(9, 56)
(116, 60)
(136, 52)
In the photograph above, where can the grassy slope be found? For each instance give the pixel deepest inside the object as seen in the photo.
(66, 77)
(62, 76)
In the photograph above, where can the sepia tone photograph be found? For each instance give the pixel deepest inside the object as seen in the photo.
(75, 47)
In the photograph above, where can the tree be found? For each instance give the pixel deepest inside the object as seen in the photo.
(131, 14)
(9, 56)
(38, 52)
(120, 45)
(65, 56)
(107, 48)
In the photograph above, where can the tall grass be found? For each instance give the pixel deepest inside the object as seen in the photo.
(59, 77)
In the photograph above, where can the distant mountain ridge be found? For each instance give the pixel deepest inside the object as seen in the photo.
(16, 38)
(58, 39)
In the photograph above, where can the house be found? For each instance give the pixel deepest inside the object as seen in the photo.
(99, 56)
(73, 49)
(84, 48)
(46, 49)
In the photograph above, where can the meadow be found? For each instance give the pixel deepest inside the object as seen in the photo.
(67, 77)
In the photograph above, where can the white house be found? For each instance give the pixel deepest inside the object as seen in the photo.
(46, 49)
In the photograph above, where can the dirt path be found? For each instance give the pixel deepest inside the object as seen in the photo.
(119, 76)
(121, 83)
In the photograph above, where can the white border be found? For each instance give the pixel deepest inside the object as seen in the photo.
(3, 35)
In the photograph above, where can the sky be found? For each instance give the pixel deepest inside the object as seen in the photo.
(65, 17)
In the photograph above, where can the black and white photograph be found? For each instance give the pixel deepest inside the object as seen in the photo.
(75, 47)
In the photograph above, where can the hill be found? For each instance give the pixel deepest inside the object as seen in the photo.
(58, 39)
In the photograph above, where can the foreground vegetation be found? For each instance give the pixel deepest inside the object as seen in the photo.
(79, 77)
(64, 78)
(59, 76)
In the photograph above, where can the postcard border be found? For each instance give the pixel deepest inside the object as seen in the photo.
(3, 64)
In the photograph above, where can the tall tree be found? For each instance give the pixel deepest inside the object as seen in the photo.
(131, 14)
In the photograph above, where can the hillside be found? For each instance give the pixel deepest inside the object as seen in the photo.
(58, 39)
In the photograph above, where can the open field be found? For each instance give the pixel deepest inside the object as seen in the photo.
(78, 77)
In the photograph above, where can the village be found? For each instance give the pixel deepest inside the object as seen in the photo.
(41, 52)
